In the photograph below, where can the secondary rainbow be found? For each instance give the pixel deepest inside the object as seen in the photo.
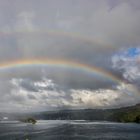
(60, 64)
(61, 33)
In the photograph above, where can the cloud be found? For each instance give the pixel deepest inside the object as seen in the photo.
(24, 22)
(35, 86)
(90, 32)
(106, 98)
(51, 96)
(128, 62)
(46, 97)
(80, 21)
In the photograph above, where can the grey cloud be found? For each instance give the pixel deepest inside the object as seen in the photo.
(66, 78)
(116, 27)
(45, 99)
(34, 86)
(89, 32)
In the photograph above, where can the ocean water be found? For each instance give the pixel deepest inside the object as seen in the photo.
(69, 130)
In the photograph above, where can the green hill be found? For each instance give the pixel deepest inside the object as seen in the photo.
(126, 114)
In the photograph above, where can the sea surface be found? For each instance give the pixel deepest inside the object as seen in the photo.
(68, 130)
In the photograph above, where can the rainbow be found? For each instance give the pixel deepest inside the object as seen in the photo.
(96, 71)
(75, 35)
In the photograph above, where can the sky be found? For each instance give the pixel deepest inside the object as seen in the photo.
(69, 54)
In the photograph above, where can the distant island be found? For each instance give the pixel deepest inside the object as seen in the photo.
(29, 120)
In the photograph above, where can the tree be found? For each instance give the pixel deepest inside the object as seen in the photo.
(137, 120)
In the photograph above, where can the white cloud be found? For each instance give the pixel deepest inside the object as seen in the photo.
(106, 98)
(46, 99)
(45, 83)
(48, 96)
(128, 62)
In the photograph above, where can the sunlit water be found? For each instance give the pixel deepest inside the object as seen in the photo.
(69, 130)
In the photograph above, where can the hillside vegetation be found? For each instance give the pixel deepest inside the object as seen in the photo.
(126, 114)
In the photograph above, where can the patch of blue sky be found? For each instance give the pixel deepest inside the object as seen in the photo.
(133, 52)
